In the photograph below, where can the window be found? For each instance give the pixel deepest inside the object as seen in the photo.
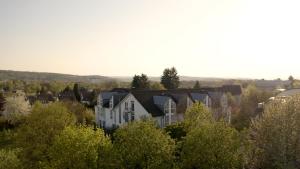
(111, 115)
(126, 105)
(132, 116)
(126, 117)
(132, 105)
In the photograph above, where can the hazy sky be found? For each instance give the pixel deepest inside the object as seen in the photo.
(219, 38)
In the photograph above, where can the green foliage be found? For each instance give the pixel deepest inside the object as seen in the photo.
(7, 139)
(157, 86)
(275, 136)
(251, 97)
(176, 131)
(213, 145)
(197, 85)
(78, 148)
(37, 133)
(197, 115)
(140, 82)
(9, 159)
(141, 145)
(83, 115)
(170, 78)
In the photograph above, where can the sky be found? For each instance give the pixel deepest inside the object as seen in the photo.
(203, 38)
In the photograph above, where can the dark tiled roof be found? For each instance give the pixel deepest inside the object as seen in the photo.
(119, 97)
(42, 97)
(146, 99)
(233, 89)
(67, 95)
(46, 97)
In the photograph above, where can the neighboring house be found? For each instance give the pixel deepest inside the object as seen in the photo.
(282, 96)
(288, 93)
(45, 98)
(119, 106)
(66, 95)
(271, 85)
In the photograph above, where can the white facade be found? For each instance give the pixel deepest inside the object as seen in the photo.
(126, 110)
(130, 109)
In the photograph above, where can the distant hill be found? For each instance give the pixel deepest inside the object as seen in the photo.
(41, 76)
(45, 76)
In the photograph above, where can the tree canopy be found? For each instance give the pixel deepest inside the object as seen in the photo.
(141, 145)
(275, 136)
(213, 145)
(15, 109)
(78, 148)
(170, 78)
(37, 133)
(140, 82)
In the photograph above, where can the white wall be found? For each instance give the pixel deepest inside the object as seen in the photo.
(114, 117)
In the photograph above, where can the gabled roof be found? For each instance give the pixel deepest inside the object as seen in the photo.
(146, 100)
(149, 98)
(119, 97)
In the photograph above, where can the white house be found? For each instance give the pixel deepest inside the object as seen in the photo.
(120, 106)
(115, 109)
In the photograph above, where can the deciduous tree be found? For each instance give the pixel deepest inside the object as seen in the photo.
(78, 148)
(275, 136)
(142, 145)
(15, 109)
(213, 145)
(36, 135)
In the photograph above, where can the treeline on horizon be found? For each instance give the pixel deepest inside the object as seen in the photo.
(22, 80)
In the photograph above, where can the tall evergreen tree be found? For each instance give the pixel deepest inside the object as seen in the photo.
(77, 92)
(2, 101)
(140, 82)
(170, 78)
(197, 85)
